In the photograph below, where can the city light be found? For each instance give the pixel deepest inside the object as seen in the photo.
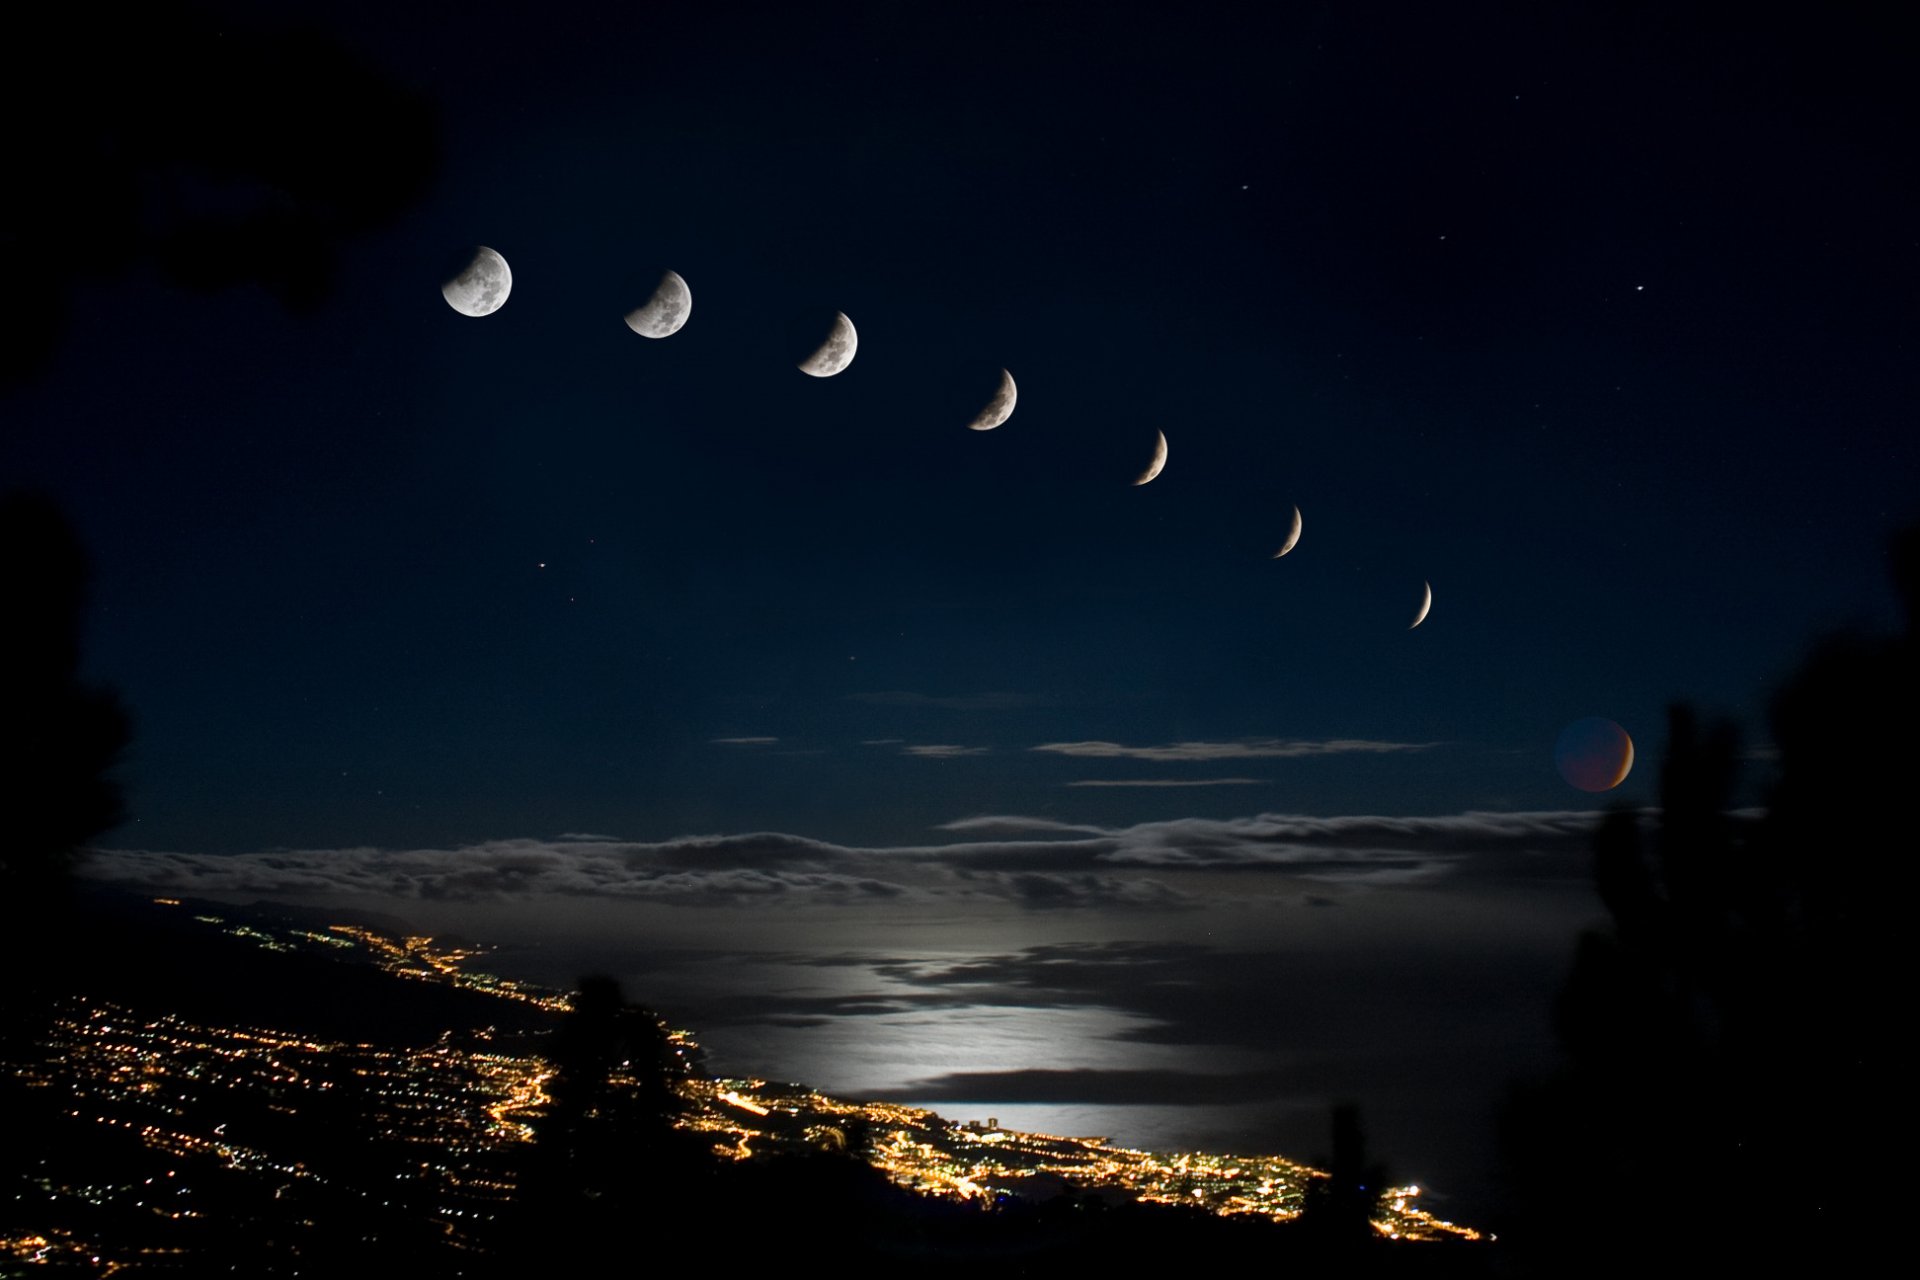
(451, 1114)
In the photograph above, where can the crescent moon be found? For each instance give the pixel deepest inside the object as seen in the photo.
(662, 315)
(1426, 603)
(998, 409)
(1159, 461)
(1293, 538)
(1626, 764)
(836, 353)
(482, 287)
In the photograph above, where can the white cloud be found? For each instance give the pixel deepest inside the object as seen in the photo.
(1031, 861)
(1011, 822)
(1169, 782)
(1248, 749)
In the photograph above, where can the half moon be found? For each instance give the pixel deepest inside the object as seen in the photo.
(482, 287)
(836, 353)
(1426, 603)
(1293, 538)
(1159, 461)
(663, 313)
(998, 409)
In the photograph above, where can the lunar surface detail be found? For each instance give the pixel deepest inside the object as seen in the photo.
(663, 314)
(998, 409)
(482, 288)
(836, 353)
(1293, 537)
(1159, 460)
(1426, 603)
(1594, 754)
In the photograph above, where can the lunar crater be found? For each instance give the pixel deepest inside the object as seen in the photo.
(482, 287)
(662, 315)
(836, 353)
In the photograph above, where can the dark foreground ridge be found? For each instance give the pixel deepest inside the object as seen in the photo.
(209, 1089)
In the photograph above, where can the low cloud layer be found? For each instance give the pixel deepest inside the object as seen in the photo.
(1169, 782)
(1249, 749)
(1039, 863)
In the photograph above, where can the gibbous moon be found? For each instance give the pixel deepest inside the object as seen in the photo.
(665, 311)
(998, 409)
(836, 353)
(1293, 538)
(482, 288)
(1594, 754)
(1426, 603)
(1159, 461)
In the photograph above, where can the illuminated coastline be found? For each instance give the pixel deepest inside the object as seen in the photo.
(450, 1116)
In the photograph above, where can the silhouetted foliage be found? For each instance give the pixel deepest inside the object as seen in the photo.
(613, 1084)
(606, 1141)
(59, 740)
(1730, 1036)
(1341, 1207)
(607, 1168)
(217, 149)
(59, 737)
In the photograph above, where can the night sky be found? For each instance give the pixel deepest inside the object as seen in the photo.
(952, 765)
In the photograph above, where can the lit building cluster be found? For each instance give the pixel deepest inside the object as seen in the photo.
(925, 1152)
(426, 1138)
(437, 1122)
(418, 958)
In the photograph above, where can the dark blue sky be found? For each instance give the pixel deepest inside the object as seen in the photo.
(1599, 319)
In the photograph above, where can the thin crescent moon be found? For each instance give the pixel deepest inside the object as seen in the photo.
(1626, 765)
(1293, 538)
(662, 315)
(998, 409)
(482, 286)
(836, 353)
(1159, 461)
(1426, 603)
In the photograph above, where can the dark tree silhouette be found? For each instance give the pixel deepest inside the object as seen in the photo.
(612, 1086)
(1340, 1208)
(1730, 1036)
(608, 1128)
(606, 1170)
(61, 737)
(216, 147)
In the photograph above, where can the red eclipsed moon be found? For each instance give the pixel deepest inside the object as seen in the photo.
(1594, 754)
